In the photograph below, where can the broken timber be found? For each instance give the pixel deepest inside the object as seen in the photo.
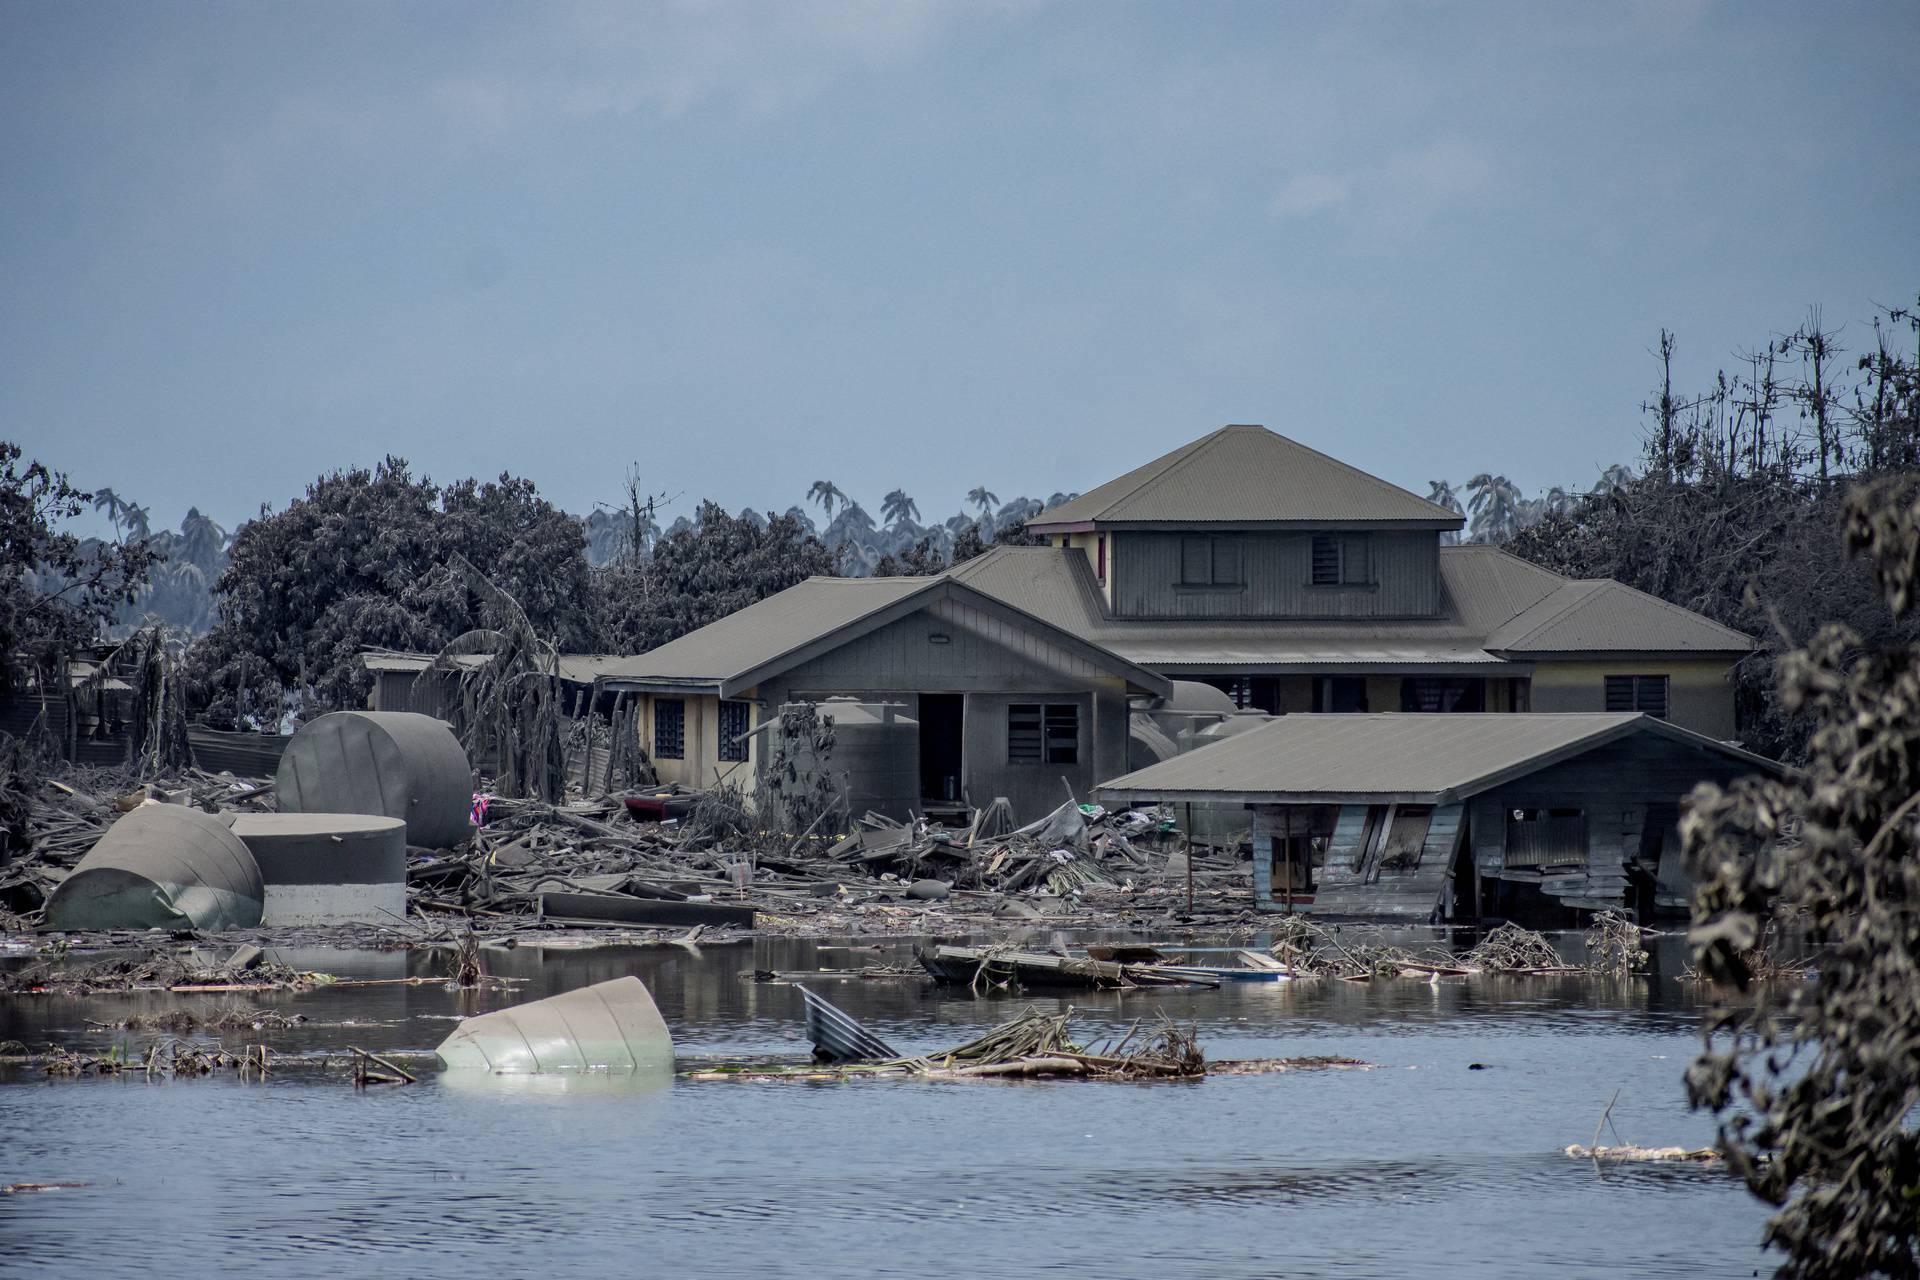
(617, 908)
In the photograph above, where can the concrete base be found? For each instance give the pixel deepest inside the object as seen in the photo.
(292, 904)
(328, 868)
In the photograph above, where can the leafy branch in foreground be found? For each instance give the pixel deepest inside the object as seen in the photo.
(1816, 1090)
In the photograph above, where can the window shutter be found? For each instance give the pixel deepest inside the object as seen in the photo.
(1226, 562)
(1354, 566)
(1196, 561)
(1023, 733)
(1326, 560)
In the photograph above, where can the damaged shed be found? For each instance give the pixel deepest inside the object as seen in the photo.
(1426, 816)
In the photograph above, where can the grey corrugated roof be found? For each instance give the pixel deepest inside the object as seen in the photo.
(580, 668)
(753, 643)
(1599, 615)
(1480, 589)
(1248, 475)
(1436, 759)
(760, 633)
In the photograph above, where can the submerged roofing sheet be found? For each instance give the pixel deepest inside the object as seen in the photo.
(1435, 757)
(1248, 474)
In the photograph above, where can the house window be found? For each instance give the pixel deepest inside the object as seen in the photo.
(1100, 558)
(1645, 694)
(1210, 562)
(1043, 733)
(736, 720)
(669, 728)
(1443, 693)
(1546, 837)
(1342, 560)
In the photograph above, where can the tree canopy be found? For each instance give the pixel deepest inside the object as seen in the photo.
(365, 559)
(701, 573)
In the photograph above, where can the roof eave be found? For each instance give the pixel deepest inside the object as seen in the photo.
(1135, 795)
(1040, 525)
(1623, 655)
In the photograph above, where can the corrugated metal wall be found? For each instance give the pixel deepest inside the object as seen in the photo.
(1277, 568)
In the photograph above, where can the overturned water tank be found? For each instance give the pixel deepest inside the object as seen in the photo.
(610, 1026)
(161, 866)
(328, 868)
(392, 764)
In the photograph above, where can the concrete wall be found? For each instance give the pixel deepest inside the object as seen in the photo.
(1700, 694)
(700, 763)
(1144, 578)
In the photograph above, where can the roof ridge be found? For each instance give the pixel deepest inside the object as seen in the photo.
(1187, 453)
(1695, 614)
(1573, 603)
(1348, 466)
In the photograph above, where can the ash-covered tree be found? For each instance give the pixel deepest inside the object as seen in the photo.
(702, 572)
(1733, 518)
(57, 592)
(1817, 1085)
(365, 559)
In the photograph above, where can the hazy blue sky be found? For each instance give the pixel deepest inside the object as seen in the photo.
(931, 245)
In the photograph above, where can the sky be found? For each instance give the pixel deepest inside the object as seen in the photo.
(927, 245)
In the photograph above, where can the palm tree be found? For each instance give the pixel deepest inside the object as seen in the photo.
(827, 494)
(202, 538)
(897, 506)
(108, 501)
(1442, 494)
(136, 516)
(1495, 505)
(983, 498)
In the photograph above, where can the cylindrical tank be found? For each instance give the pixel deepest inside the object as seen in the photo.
(328, 868)
(1219, 823)
(876, 756)
(392, 764)
(161, 866)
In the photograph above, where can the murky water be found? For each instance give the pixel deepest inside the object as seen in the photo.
(1422, 1167)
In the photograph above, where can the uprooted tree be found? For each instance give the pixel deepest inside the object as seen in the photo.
(1816, 1089)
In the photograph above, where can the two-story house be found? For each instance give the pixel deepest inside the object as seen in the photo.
(1244, 560)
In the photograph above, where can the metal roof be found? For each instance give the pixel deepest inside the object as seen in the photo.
(577, 668)
(1481, 593)
(813, 617)
(1391, 757)
(1246, 474)
(1599, 615)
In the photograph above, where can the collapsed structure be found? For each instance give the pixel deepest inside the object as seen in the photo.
(1426, 816)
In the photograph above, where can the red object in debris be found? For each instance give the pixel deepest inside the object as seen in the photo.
(660, 807)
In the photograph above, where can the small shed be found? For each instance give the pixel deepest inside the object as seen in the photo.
(1427, 816)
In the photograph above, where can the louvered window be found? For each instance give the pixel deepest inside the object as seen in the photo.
(1342, 560)
(669, 728)
(1043, 733)
(736, 720)
(1645, 694)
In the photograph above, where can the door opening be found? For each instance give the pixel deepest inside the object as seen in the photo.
(942, 721)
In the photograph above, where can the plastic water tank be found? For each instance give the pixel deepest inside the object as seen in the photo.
(393, 764)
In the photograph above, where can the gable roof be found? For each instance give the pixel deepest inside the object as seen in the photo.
(1393, 757)
(1599, 615)
(737, 652)
(1247, 475)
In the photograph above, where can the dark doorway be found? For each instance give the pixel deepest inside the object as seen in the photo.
(1340, 693)
(942, 723)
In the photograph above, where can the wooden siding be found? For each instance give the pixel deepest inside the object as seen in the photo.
(1144, 576)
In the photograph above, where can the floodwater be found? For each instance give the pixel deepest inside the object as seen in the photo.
(1422, 1166)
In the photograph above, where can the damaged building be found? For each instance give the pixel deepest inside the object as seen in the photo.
(1433, 816)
